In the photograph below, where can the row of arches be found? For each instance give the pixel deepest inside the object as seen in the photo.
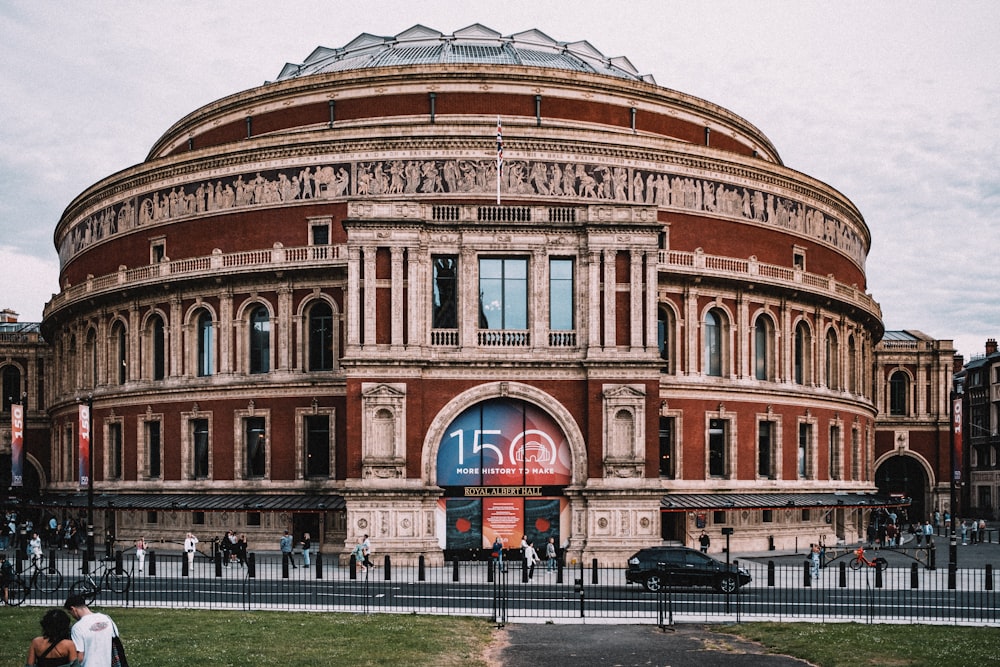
(158, 344)
(831, 364)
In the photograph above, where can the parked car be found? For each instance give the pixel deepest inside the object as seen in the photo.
(656, 567)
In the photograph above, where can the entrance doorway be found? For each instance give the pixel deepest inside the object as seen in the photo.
(904, 477)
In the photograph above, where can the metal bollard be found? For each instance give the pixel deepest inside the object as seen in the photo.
(490, 577)
(989, 577)
(878, 577)
(770, 573)
(388, 568)
(184, 565)
(952, 575)
(914, 578)
(807, 574)
(593, 577)
(319, 565)
(353, 563)
(421, 568)
(284, 567)
(118, 561)
(252, 566)
(843, 575)
(218, 562)
(454, 571)
(151, 563)
(559, 570)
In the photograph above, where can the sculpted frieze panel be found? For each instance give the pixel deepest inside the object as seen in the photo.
(592, 183)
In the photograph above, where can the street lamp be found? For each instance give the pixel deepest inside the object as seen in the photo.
(90, 477)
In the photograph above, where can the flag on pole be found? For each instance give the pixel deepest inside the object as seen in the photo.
(499, 156)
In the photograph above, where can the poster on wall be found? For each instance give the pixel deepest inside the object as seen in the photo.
(464, 527)
(474, 523)
(16, 444)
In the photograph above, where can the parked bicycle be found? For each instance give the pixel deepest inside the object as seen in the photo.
(859, 561)
(106, 578)
(37, 574)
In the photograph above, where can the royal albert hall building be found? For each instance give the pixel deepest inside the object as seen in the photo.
(315, 306)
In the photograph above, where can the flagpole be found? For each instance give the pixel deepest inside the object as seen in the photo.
(499, 157)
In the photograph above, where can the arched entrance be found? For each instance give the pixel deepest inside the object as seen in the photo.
(504, 463)
(904, 477)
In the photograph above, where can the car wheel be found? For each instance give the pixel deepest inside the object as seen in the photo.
(726, 583)
(653, 582)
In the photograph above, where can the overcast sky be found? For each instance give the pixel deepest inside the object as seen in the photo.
(894, 104)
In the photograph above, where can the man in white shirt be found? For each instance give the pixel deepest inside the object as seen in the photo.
(92, 633)
(190, 545)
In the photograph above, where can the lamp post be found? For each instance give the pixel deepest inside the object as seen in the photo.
(90, 477)
(955, 427)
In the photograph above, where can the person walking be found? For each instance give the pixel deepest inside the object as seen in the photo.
(359, 556)
(550, 554)
(306, 548)
(498, 551)
(140, 552)
(530, 559)
(190, 546)
(92, 633)
(54, 647)
(814, 554)
(705, 541)
(35, 548)
(285, 544)
(366, 550)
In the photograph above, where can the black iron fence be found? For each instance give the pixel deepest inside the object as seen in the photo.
(570, 592)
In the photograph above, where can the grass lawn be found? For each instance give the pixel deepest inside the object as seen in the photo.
(858, 645)
(178, 638)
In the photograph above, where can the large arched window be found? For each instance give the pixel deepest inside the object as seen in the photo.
(802, 353)
(665, 338)
(260, 340)
(206, 344)
(120, 342)
(11, 386)
(712, 333)
(158, 345)
(321, 337)
(832, 360)
(899, 393)
(763, 344)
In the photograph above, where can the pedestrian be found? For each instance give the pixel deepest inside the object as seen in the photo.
(814, 561)
(550, 554)
(306, 547)
(54, 647)
(241, 549)
(190, 546)
(705, 541)
(928, 532)
(982, 530)
(964, 530)
(498, 551)
(530, 559)
(974, 531)
(140, 552)
(366, 550)
(92, 633)
(285, 544)
(890, 535)
(6, 575)
(359, 556)
(35, 548)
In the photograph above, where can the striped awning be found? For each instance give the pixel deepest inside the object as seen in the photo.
(191, 502)
(682, 502)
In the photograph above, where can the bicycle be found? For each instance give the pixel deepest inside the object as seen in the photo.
(46, 577)
(859, 561)
(108, 578)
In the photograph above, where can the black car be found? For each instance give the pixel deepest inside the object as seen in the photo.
(656, 567)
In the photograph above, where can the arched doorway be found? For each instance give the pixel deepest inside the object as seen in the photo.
(903, 476)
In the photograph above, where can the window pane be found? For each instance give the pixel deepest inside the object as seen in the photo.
(445, 291)
(153, 448)
(761, 335)
(713, 345)
(260, 341)
(159, 365)
(764, 450)
(317, 446)
(503, 294)
(200, 431)
(561, 294)
(205, 344)
(255, 444)
(716, 448)
(321, 337)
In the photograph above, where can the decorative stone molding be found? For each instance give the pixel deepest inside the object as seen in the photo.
(624, 430)
(383, 430)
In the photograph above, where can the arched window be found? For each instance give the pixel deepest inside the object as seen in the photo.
(832, 360)
(852, 365)
(120, 341)
(899, 393)
(803, 345)
(91, 359)
(713, 344)
(321, 337)
(206, 344)
(11, 386)
(665, 338)
(763, 346)
(158, 343)
(260, 340)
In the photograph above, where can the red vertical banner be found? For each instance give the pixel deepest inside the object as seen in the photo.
(16, 445)
(956, 427)
(84, 446)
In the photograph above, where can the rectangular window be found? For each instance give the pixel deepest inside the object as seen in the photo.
(765, 449)
(199, 433)
(835, 447)
(253, 518)
(320, 234)
(152, 517)
(503, 294)
(805, 431)
(805, 515)
(255, 438)
(153, 449)
(198, 518)
(767, 516)
(855, 454)
(157, 250)
(114, 450)
(445, 292)
(667, 447)
(717, 448)
(561, 305)
(317, 445)
(718, 517)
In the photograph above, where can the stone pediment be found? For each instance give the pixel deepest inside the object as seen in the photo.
(382, 390)
(624, 391)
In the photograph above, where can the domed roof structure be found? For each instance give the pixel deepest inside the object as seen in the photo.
(475, 44)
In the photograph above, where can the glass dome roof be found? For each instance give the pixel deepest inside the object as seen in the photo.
(475, 44)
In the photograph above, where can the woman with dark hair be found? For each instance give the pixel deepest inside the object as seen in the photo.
(53, 648)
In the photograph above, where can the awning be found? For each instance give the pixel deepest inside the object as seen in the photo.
(188, 502)
(682, 502)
